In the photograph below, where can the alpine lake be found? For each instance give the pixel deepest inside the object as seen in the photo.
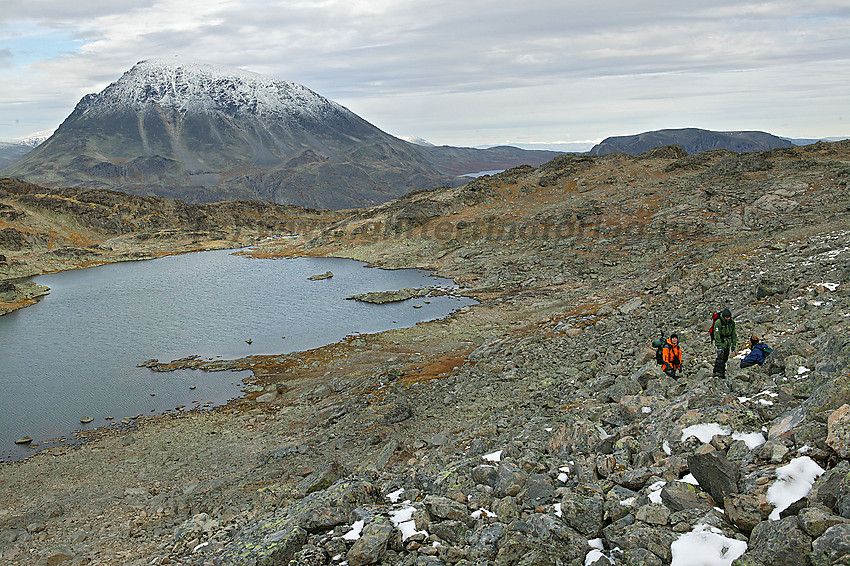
(75, 355)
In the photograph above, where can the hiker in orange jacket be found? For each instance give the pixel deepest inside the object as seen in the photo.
(672, 356)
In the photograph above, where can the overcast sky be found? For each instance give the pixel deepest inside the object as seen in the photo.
(461, 72)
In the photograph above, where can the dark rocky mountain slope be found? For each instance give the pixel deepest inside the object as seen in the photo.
(692, 140)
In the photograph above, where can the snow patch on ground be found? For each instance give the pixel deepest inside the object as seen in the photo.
(655, 491)
(751, 439)
(493, 456)
(704, 432)
(355, 531)
(706, 546)
(794, 483)
(403, 521)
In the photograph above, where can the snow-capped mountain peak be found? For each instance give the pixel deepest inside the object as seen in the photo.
(204, 88)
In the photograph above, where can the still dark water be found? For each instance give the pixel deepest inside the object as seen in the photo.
(75, 353)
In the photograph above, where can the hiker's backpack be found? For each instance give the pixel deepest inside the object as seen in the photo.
(714, 318)
(659, 349)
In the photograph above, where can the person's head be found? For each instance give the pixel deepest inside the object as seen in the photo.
(726, 314)
(754, 340)
(674, 339)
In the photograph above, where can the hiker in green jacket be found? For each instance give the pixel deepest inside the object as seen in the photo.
(725, 338)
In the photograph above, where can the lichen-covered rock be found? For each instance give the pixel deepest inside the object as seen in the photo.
(830, 487)
(540, 540)
(678, 496)
(815, 520)
(372, 544)
(584, 510)
(744, 511)
(838, 427)
(833, 547)
(778, 543)
(270, 540)
(715, 474)
(440, 508)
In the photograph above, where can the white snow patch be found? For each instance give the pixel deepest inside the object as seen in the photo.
(592, 557)
(628, 502)
(596, 543)
(655, 491)
(706, 546)
(751, 439)
(403, 520)
(200, 546)
(666, 448)
(646, 410)
(704, 432)
(562, 477)
(804, 449)
(689, 479)
(394, 496)
(558, 511)
(802, 369)
(765, 402)
(355, 531)
(493, 456)
(794, 483)
(477, 514)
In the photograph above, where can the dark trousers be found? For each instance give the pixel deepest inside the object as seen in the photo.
(720, 362)
(747, 364)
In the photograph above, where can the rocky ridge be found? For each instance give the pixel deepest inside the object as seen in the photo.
(692, 140)
(533, 428)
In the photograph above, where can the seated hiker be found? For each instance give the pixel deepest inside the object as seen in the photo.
(758, 352)
(671, 356)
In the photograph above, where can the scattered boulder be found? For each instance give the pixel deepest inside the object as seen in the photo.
(838, 436)
(833, 547)
(715, 474)
(778, 543)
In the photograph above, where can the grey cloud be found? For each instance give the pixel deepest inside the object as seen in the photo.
(493, 67)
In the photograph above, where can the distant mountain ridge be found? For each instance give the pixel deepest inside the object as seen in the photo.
(203, 133)
(692, 140)
(13, 150)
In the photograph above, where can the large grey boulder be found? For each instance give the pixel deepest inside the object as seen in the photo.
(715, 474)
(777, 543)
(833, 547)
(372, 544)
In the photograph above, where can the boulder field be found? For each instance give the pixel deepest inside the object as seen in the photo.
(533, 428)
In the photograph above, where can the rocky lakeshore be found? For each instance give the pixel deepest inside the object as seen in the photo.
(534, 428)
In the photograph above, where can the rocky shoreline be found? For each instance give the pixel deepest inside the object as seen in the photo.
(533, 428)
